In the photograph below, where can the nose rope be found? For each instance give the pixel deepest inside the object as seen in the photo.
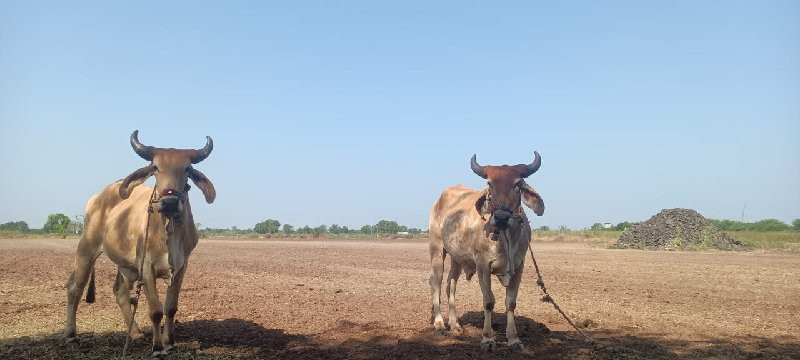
(502, 210)
(156, 197)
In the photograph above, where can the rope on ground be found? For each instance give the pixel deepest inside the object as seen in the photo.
(547, 298)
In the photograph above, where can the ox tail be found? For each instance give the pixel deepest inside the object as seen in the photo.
(90, 291)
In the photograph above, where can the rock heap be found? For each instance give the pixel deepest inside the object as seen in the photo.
(677, 229)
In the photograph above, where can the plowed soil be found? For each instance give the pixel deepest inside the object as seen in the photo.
(356, 299)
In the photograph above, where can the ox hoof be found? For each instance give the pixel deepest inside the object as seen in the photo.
(72, 340)
(159, 355)
(440, 331)
(488, 346)
(516, 346)
(456, 330)
(170, 349)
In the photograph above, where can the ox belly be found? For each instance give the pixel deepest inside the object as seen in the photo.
(488, 255)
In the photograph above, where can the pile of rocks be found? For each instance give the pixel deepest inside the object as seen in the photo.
(677, 229)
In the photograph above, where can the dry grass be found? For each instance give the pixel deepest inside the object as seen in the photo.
(597, 238)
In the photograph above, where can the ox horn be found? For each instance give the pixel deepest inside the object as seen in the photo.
(477, 169)
(532, 167)
(203, 153)
(146, 152)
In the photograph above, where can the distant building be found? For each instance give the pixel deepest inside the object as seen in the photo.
(402, 233)
(607, 225)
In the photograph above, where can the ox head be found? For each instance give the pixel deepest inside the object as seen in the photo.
(172, 169)
(506, 188)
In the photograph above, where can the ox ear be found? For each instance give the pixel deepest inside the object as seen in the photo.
(135, 179)
(531, 198)
(480, 204)
(204, 184)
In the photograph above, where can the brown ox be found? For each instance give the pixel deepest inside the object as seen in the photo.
(117, 221)
(493, 246)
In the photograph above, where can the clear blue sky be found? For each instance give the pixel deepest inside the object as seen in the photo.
(351, 112)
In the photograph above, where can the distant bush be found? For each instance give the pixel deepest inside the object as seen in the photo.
(763, 225)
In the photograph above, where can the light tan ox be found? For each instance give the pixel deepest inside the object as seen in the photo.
(117, 220)
(493, 246)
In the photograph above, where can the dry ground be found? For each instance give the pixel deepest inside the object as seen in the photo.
(369, 299)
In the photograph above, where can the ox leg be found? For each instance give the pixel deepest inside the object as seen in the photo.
(171, 307)
(122, 291)
(437, 269)
(511, 303)
(156, 309)
(487, 335)
(452, 280)
(84, 262)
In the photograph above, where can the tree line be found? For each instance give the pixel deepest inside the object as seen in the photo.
(58, 224)
(61, 225)
(272, 226)
(727, 225)
(763, 225)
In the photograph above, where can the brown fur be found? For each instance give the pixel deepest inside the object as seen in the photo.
(459, 228)
(117, 220)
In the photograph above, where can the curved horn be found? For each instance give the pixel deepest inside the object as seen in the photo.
(203, 153)
(146, 152)
(477, 169)
(532, 167)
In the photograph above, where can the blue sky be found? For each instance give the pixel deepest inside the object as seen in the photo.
(352, 112)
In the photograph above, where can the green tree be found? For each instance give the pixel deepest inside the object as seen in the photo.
(771, 225)
(320, 229)
(269, 226)
(544, 228)
(56, 224)
(622, 226)
(335, 229)
(20, 226)
(288, 229)
(763, 225)
(796, 224)
(366, 229)
(387, 227)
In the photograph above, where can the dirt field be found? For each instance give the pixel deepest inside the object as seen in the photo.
(364, 299)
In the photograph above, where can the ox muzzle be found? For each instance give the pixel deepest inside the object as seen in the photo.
(503, 218)
(169, 202)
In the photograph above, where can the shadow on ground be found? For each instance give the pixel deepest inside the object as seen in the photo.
(240, 339)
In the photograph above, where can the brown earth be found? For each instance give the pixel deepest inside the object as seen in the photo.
(370, 299)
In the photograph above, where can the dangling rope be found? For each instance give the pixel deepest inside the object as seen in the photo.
(141, 248)
(547, 298)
